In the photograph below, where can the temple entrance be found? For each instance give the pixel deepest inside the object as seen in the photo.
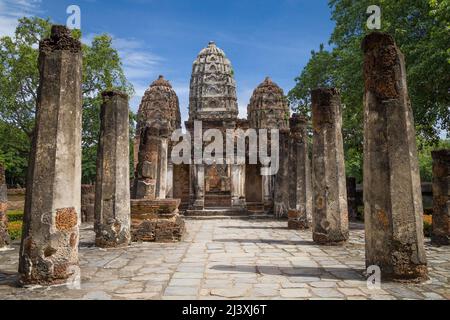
(217, 186)
(254, 188)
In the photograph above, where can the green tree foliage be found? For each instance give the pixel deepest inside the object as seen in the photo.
(422, 31)
(19, 79)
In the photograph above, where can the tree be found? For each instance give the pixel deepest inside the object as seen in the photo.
(19, 79)
(421, 30)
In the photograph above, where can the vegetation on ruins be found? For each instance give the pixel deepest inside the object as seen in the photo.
(421, 29)
(19, 80)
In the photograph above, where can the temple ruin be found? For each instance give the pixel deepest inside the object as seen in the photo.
(219, 189)
(308, 190)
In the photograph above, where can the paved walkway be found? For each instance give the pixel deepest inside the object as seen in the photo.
(230, 259)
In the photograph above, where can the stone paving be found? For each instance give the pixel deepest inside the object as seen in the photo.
(230, 259)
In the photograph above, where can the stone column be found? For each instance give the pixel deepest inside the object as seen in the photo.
(4, 235)
(49, 250)
(267, 192)
(392, 191)
(300, 195)
(169, 190)
(441, 197)
(330, 215)
(237, 186)
(198, 177)
(112, 191)
(146, 176)
(281, 192)
(351, 199)
(163, 166)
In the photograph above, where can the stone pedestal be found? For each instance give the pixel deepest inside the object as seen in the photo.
(330, 213)
(441, 197)
(351, 199)
(49, 250)
(300, 195)
(4, 235)
(392, 192)
(156, 221)
(112, 192)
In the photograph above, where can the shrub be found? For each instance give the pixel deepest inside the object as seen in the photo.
(15, 215)
(15, 230)
(427, 225)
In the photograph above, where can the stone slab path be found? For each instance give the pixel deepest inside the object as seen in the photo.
(230, 259)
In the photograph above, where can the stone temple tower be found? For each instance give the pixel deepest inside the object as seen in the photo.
(213, 88)
(213, 101)
(268, 108)
(160, 103)
(159, 107)
(158, 116)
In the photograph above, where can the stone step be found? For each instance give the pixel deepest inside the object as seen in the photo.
(216, 212)
(236, 217)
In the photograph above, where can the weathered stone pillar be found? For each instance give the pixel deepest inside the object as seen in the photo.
(169, 190)
(300, 195)
(281, 192)
(4, 235)
(49, 250)
(267, 190)
(351, 199)
(237, 186)
(330, 215)
(198, 177)
(441, 197)
(112, 191)
(392, 192)
(162, 172)
(147, 169)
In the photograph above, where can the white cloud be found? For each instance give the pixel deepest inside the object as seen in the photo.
(141, 66)
(12, 10)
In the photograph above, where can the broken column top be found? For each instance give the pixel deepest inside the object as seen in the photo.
(60, 39)
(113, 93)
(324, 96)
(381, 57)
(443, 154)
(376, 40)
(298, 119)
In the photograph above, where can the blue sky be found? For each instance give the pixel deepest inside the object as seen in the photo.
(261, 38)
